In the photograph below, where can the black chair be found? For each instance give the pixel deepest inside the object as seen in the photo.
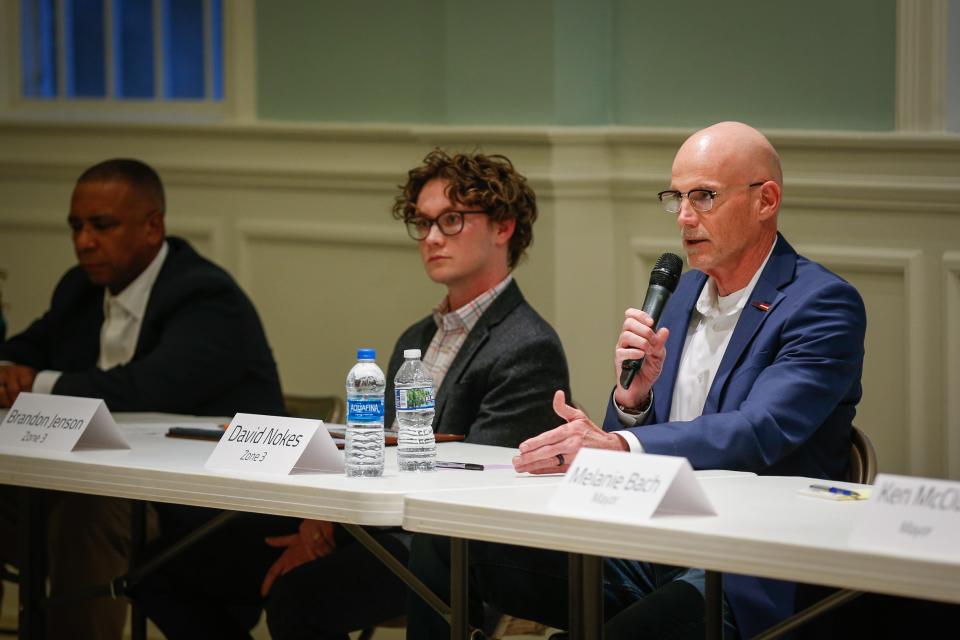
(845, 621)
(7, 574)
(863, 458)
(330, 409)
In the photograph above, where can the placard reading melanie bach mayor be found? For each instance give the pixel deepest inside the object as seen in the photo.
(630, 487)
(273, 444)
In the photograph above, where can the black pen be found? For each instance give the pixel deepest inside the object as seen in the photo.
(469, 466)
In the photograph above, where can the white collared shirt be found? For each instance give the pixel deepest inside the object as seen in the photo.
(712, 323)
(122, 318)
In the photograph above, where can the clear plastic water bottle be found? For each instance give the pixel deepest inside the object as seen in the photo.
(363, 451)
(413, 388)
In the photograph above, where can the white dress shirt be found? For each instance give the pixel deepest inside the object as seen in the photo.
(711, 326)
(122, 318)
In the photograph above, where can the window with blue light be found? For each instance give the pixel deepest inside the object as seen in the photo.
(159, 50)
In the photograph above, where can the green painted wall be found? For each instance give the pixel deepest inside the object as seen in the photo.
(811, 64)
(360, 60)
(817, 64)
(499, 62)
(582, 55)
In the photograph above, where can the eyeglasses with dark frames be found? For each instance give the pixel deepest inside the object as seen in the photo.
(701, 199)
(450, 223)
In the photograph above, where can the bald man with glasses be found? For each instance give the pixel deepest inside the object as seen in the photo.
(755, 366)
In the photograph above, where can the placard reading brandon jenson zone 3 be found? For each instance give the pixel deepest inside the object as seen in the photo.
(48, 422)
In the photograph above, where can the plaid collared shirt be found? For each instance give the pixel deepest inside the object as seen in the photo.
(452, 329)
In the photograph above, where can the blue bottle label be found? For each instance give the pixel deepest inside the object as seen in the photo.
(415, 399)
(368, 410)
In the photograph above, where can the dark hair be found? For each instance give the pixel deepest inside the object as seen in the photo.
(487, 182)
(138, 175)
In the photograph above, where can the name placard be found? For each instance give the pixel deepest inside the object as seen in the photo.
(277, 445)
(917, 515)
(59, 423)
(629, 487)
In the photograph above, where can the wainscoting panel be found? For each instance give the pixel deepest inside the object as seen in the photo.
(34, 253)
(951, 379)
(300, 215)
(324, 290)
(887, 280)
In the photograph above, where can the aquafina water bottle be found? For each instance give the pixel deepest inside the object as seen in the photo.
(363, 451)
(413, 388)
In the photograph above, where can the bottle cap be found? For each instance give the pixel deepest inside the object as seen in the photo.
(411, 353)
(366, 354)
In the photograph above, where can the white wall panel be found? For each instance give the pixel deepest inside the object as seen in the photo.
(323, 290)
(951, 379)
(296, 212)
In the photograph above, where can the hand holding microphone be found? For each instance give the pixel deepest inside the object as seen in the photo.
(663, 282)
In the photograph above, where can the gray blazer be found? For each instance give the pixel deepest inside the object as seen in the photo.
(499, 389)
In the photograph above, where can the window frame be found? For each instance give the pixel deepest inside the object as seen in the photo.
(239, 82)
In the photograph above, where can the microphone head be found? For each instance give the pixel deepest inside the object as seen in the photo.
(666, 271)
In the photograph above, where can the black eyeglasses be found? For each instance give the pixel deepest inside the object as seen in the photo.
(450, 223)
(701, 199)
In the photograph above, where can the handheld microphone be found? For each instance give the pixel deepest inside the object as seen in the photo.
(663, 282)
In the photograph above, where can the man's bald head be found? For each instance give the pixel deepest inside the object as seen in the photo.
(738, 147)
(739, 171)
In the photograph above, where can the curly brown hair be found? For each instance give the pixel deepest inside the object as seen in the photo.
(489, 182)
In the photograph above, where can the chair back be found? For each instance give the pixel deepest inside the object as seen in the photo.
(863, 458)
(330, 409)
(7, 574)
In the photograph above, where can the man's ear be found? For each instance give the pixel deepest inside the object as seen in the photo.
(156, 229)
(505, 229)
(770, 195)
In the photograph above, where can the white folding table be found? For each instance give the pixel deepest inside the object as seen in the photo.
(764, 527)
(162, 469)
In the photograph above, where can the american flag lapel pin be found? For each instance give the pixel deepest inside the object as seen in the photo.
(763, 306)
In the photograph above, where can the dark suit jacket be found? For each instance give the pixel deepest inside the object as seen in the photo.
(499, 389)
(783, 399)
(201, 349)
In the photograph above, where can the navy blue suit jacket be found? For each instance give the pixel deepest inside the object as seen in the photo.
(782, 401)
(201, 348)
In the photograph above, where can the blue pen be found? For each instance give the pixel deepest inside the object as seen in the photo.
(838, 490)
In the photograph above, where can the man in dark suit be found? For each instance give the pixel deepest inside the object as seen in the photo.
(755, 366)
(146, 324)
